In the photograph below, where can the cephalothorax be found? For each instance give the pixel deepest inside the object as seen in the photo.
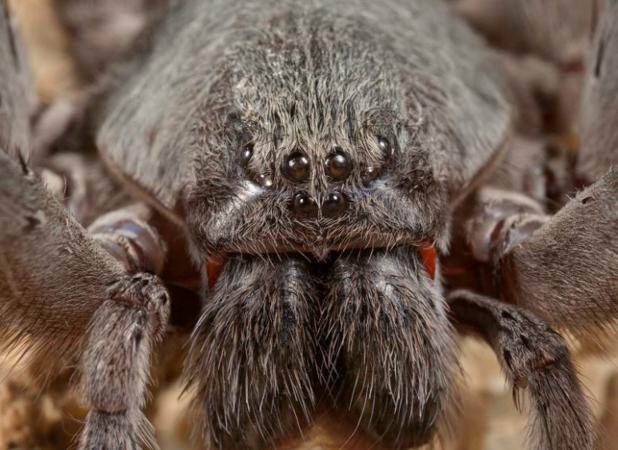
(299, 165)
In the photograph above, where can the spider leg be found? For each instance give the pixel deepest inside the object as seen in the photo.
(599, 112)
(101, 30)
(535, 359)
(43, 248)
(389, 346)
(15, 92)
(53, 276)
(115, 363)
(62, 295)
(565, 270)
(253, 356)
(561, 267)
(556, 30)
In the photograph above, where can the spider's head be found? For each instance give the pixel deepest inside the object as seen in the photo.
(309, 145)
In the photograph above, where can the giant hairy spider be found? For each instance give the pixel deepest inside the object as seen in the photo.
(323, 176)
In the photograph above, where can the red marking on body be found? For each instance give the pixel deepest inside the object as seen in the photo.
(428, 257)
(213, 269)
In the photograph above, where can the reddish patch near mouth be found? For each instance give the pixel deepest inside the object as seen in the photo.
(428, 257)
(213, 269)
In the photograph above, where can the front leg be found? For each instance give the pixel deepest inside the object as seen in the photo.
(389, 346)
(61, 294)
(599, 112)
(561, 267)
(115, 364)
(55, 296)
(253, 356)
(535, 358)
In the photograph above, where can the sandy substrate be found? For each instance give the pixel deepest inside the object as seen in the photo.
(47, 420)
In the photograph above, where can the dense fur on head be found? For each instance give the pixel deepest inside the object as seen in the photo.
(310, 80)
(287, 75)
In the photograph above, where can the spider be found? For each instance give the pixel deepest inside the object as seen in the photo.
(336, 190)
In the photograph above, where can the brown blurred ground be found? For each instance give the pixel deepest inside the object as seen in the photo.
(31, 419)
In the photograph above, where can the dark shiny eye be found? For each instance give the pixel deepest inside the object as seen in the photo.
(370, 173)
(296, 167)
(246, 153)
(264, 180)
(304, 206)
(385, 146)
(334, 205)
(338, 164)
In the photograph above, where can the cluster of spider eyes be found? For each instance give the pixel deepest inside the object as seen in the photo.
(338, 165)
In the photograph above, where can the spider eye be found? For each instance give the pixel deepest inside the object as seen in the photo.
(246, 153)
(338, 164)
(334, 204)
(264, 180)
(385, 147)
(370, 173)
(304, 206)
(296, 167)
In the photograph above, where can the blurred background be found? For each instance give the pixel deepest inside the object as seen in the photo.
(32, 418)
